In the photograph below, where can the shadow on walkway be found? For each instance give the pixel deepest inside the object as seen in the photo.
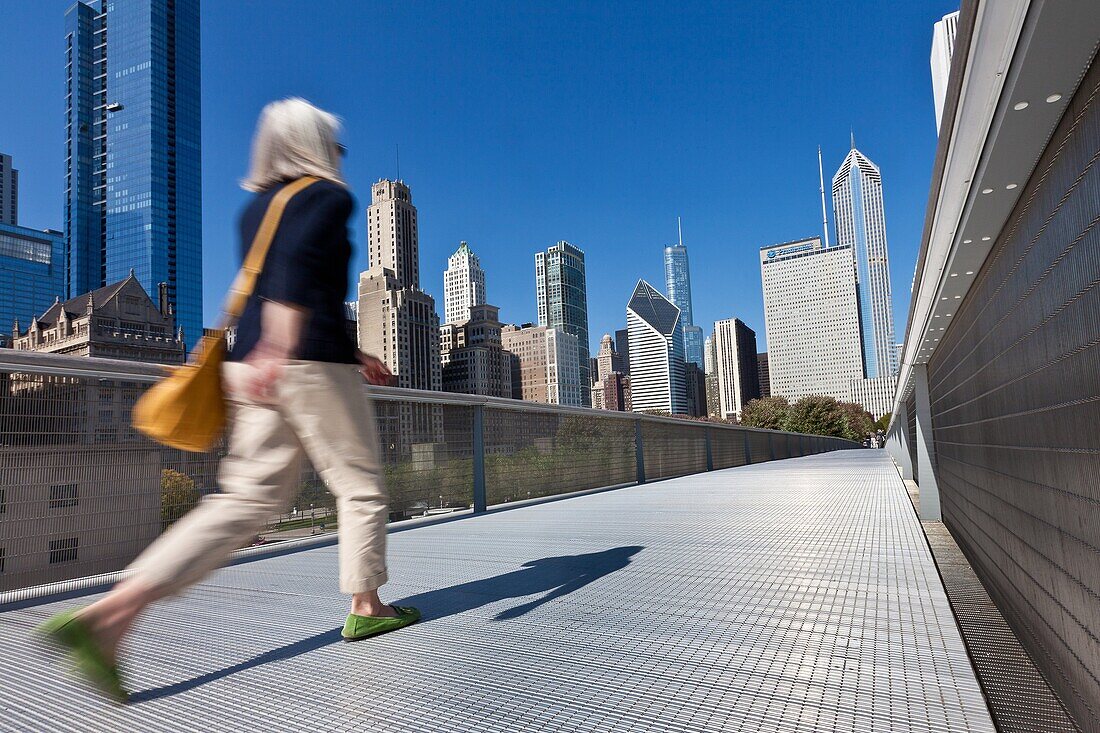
(554, 576)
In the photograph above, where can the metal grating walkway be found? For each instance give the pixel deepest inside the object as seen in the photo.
(798, 595)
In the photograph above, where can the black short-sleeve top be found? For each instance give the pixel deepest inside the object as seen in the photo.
(307, 267)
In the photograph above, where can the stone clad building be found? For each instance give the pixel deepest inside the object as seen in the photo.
(610, 387)
(397, 320)
(545, 366)
(472, 357)
(399, 325)
(119, 321)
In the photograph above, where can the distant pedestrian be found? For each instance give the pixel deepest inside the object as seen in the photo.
(294, 388)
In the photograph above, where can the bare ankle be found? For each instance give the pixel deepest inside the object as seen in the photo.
(369, 604)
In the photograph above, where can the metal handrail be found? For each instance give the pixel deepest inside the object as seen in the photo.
(481, 445)
(61, 365)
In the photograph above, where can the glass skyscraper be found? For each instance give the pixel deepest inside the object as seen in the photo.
(563, 299)
(32, 275)
(861, 225)
(133, 150)
(678, 285)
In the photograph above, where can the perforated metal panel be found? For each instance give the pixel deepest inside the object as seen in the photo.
(1015, 399)
(728, 448)
(785, 596)
(1019, 697)
(673, 450)
(532, 454)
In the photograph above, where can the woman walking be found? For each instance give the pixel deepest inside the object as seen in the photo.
(294, 386)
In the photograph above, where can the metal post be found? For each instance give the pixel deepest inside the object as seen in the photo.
(748, 449)
(710, 454)
(478, 439)
(898, 442)
(926, 448)
(639, 451)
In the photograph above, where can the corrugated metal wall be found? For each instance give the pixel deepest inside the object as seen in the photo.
(1015, 391)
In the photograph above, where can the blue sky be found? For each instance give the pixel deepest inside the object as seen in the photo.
(521, 124)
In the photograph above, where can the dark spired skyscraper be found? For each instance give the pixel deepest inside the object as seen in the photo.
(133, 177)
(563, 299)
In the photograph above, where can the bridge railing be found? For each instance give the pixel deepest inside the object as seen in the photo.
(82, 493)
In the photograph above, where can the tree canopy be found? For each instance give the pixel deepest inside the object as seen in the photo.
(766, 412)
(178, 495)
(813, 414)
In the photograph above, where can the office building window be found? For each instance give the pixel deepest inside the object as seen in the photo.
(63, 550)
(64, 495)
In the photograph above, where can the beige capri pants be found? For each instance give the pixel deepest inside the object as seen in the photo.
(321, 410)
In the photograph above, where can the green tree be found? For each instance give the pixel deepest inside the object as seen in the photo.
(860, 422)
(883, 423)
(579, 432)
(766, 412)
(177, 496)
(818, 415)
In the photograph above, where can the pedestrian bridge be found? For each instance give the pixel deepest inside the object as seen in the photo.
(797, 594)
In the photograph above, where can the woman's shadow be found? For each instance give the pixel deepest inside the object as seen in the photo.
(555, 577)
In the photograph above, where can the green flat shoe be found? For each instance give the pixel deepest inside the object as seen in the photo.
(364, 627)
(89, 661)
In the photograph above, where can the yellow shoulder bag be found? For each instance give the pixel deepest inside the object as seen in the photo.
(186, 409)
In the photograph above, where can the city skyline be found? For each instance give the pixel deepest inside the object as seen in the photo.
(722, 237)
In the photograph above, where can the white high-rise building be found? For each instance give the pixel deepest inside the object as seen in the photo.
(735, 367)
(861, 226)
(876, 395)
(463, 285)
(943, 47)
(812, 319)
(657, 380)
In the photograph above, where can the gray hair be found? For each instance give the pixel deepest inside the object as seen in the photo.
(293, 139)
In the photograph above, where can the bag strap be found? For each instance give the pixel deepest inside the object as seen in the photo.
(245, 282)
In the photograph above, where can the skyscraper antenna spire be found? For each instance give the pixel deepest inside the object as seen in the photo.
(821, 179)
(853, 133)
(680, 231)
